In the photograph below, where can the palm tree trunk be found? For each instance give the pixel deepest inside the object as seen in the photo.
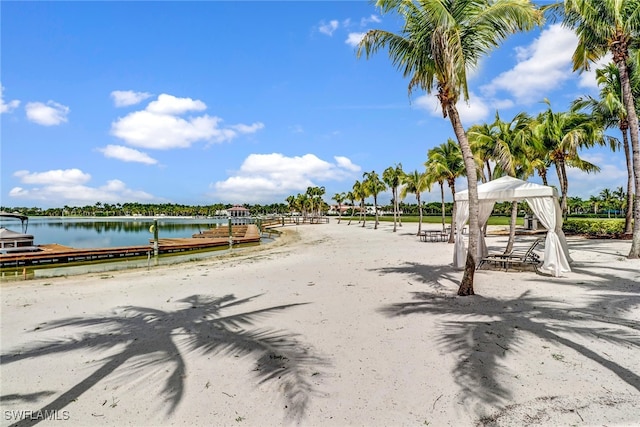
(419, 212)
(454, 210)
(444, 226)
(628, 218)
(466, 284)
(395, 209)
(632, 118)
(375, 209)
(512, 227)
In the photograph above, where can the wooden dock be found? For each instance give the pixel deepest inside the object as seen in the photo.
(53, 254)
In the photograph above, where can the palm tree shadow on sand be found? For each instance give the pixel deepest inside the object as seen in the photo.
(151, 338)
(490, 329)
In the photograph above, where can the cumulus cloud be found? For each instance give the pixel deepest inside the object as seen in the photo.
(127, 154)
(612, 175)
(353, 39)
(53, 177)
(125, 98)
(9, 106)
(161, 126)
(471, 112)
(542, 66)
(49, 114)
(68, 186)
(368, 20)
(267, 177)
(328, 28)
(588, 78)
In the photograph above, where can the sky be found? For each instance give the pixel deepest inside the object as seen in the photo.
(241, 102)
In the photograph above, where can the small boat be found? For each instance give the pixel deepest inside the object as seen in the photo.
(13, 241)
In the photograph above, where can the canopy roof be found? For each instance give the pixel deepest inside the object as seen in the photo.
(508, 188)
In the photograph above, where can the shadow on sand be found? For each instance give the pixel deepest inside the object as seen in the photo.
(486, 329)
(150, 339)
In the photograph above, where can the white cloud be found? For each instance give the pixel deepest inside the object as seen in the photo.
(268, 177)
(328, 28)
(473, 111)
(125, 98)
(353, 39)
(543, 66)
(372, 18)
(49, 114)
(611, 176)
(8, 107)
(58, 187)
(127, 154)
(159, 126)
(53, 177)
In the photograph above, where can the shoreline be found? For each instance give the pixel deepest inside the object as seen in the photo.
(330, 325)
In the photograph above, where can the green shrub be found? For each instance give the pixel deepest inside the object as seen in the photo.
(594, 227)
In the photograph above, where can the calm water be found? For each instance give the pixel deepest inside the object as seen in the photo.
(107, 232)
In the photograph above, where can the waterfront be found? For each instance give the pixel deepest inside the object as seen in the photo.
(96, 232)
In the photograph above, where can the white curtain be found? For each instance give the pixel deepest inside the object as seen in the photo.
(556, 252)
(462, 216)
(484, 212)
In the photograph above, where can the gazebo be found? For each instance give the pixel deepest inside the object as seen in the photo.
(542, 200)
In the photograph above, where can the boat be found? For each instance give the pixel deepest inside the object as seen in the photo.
(13, 241)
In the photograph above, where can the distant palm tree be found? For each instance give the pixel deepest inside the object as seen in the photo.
(440, 41)
(392, 177)
(415, 183)
(339, 198)
(352, 198)
(151, 335)
(360, 192)
(445, 160)
(374, 186)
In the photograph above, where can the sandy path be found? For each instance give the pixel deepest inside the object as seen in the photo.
(332, 325)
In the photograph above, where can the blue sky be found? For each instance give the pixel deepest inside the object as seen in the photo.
(239, 102)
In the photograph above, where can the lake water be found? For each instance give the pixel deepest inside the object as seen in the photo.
(108, 232)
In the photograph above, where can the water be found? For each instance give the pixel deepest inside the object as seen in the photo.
(108, 232)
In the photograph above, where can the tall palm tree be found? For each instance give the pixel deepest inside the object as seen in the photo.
(392, 177)
(610, 110)
(374, 186)
(610, 26)
(446, 161)
(563, 134)
(439, 42)
(415, 183)
(483, 142)
(339, 198)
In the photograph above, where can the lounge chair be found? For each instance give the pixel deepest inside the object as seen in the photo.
(515, 258)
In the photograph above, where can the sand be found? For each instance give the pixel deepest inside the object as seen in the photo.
(331, 325)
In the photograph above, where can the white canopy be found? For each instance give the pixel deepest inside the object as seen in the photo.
(543, 201)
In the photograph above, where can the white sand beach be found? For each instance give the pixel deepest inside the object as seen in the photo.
(331, 325)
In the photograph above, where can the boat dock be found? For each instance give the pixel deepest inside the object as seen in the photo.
(53, 254)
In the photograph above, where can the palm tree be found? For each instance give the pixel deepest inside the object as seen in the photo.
(339, 198)
(512, 151)
(607, 26)
(360, 192)
(392, 177)
(439, 42)
(374, 186)
(563, 134)
(415, 183)
(352, 198)
(445, 161)
(610, 110)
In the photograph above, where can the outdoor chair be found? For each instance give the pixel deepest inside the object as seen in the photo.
(515, 258)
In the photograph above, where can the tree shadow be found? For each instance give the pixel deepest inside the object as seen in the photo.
(148, 338)
(482, 331)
